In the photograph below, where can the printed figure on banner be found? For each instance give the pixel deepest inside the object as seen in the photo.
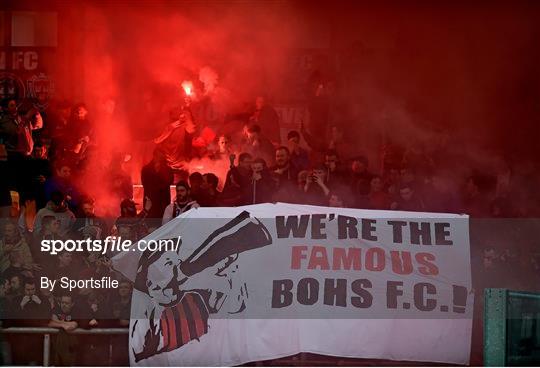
(184, 292)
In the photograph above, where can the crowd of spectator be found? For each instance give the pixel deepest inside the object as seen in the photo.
(40, 200)
(42, 159)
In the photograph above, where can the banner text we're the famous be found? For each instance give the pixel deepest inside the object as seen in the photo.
(409, 253)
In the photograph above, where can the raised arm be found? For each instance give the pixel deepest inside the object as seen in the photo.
(35, 119)
(168, 131)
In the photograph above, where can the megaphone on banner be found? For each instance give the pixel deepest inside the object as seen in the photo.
(241, 234)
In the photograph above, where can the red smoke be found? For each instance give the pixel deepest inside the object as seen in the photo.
(137, 56)
(399, 71)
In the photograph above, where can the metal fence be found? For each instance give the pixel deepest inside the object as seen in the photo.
(511, 328)
(47, 332)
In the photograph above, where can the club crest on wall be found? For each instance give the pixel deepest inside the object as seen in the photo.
(41, 90)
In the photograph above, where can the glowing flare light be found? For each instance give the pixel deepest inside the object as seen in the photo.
(188, 88)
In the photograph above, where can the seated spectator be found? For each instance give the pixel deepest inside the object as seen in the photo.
(93, 312)
(96, 265)
(63, 316)
(131, 232)
(131, 220)
(5, 303)
(121, 307)
(14, 246)
(56, 207)
(17, 266)
(182, 203)
(121, 310)
(408, 200)
(50, 230)
(88, 225)
(31, 309)
(48, 298)
(299, 156)
(65, 266)
(14, 287)
(28, 310)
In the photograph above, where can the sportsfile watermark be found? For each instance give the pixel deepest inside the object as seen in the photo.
(111, 244)
(301, 265)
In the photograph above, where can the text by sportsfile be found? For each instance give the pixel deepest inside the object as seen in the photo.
(109, 244)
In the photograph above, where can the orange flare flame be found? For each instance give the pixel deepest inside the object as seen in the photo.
(188, 87)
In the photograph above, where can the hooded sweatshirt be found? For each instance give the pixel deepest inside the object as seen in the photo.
(64, 215)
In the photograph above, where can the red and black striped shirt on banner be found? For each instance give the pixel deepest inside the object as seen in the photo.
(186, 321)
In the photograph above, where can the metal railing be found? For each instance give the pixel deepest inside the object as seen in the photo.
(511, 317)
(47, 332)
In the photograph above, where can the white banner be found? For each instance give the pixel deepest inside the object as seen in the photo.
(266, 281)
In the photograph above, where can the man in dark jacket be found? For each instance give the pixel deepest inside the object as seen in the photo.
(284, 172)
(156, 179)
(266, 117)
(262, 186)
(16, 130)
